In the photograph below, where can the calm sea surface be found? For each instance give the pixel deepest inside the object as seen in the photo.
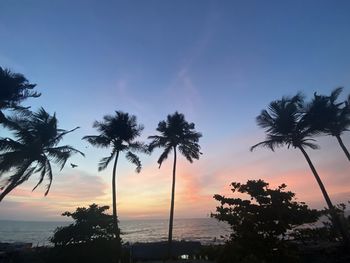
(205, 230)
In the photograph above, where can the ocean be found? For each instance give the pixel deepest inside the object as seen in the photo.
(204, 230)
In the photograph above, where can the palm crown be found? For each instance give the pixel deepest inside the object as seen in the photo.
(118, 132)
(35, 147)
(14, 88)
(176, 132)
(326, 115)
(284, 125)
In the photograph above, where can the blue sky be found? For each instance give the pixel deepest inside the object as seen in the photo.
(218, 62)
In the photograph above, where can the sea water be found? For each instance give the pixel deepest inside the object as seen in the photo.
(204, 230)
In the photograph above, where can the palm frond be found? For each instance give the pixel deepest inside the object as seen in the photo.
(25, 176)
(11, 160)
(62, 133)
(308, 143)
(271, 144)
(98, 140)
(138, 147)
(133, 158)
(335, 94)
(49, 175)
(20, 174)
(7, 144)
(157, 142)
(42, 171)
(61, 154)
(190, 151)
(164, 155)
(67, 148)
(105, 161)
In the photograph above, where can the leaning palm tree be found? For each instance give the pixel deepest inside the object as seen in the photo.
(175, 134)
(325, 115)
(14, 88)
(117, 132)
(284, 126)
(34, 149)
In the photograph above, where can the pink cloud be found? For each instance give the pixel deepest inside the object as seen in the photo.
(68, 191)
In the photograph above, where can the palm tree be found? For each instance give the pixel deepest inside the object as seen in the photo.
(14, 88)
(33, 151)
(325, 115)
(284, 126)
(119, 133)
(175, 134)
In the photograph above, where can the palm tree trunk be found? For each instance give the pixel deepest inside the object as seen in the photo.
(170, 236)
(343, 147)
(114, 196)
(335, 217)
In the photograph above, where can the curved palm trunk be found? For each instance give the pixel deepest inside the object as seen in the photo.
(170, 236)
(343, 147)
(335, 218)
(114, 197)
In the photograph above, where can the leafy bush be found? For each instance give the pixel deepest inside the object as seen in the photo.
(261, 223)
(90, 238)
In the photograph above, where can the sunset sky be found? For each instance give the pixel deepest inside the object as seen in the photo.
(218, 62)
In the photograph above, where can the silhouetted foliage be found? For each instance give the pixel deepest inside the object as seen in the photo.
(119, 133)
(14, 88)
(33, 150)
(175, 134)
(327, 232)
(261, 222)
(91, 238)
(327, 116)
(90, 224)
(285, 126)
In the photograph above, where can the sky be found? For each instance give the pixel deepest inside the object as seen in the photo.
(218, 62)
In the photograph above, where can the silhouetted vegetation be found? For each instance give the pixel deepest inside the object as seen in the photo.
(285, 125)
(261, 223)
(268, 226)
(119, 133)
(14, 88)
(91, 238)
(176, 134)
(327, 116)
(35, 148)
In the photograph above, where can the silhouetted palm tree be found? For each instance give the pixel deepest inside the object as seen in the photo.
(284, 127)
(119, 133)
(14, 88)
(35, 147)
(176, 133)
(326, 115)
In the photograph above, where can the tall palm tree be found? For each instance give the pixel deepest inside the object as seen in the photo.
(284, 127)
(117, 132)
(326, 115)
(14, 88)
(34, 149)
(175, 134)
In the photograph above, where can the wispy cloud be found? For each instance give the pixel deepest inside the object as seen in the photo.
(68, 191)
